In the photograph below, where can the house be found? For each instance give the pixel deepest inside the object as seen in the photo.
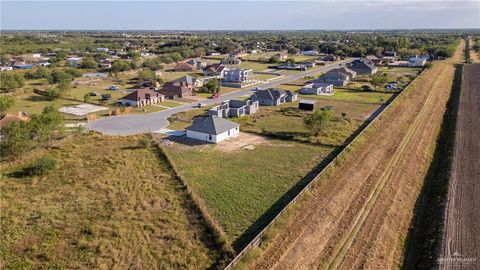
(274, 97)
(141, 97)
(189, 80)
(234, 108)
(213, 54)
(281, 56)
(5, 68)
(105, 63)
(375, 60)
(417, 61)
(307, 105)
(8, 118)
(291, 66)
(101, 49)
(177, 89)
(74, 61)
(317, 89)
(363, 66)
(309, 53)
(212, 129)
(23, 66)
(184, 67)
(390, 54)
(214, 70)
(337, 77)
(329, 57)
(239, 75)
(308, 64)
(231, 60)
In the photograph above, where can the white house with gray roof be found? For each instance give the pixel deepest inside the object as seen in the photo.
(212, 129)
(317, 89)
(274, 97)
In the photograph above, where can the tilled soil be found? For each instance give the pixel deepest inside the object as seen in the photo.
(461, 240)
(310, 239)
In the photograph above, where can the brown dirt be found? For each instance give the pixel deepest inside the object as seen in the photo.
(242, 141)
(310, 238)
(462, 220)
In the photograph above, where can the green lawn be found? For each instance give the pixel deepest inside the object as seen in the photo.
(240, 186)
(34, 104)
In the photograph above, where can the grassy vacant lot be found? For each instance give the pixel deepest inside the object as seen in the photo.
(109, 204)
(240, 186)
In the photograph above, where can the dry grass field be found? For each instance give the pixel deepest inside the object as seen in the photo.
(367, 198)
(109, 204)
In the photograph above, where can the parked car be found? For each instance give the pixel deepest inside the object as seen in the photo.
(106, 96)
(214, 96)
(94, 94)
(113, 87)
(200, 105)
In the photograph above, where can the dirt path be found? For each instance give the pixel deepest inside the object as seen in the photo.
(361, 192)
(461, 245)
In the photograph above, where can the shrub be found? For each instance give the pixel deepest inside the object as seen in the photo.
(40, 166)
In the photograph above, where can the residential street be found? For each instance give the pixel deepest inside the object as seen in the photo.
(143, 123)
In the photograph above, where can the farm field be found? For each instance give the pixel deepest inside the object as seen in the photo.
(393, 156)
(109, 203)
(462, 219)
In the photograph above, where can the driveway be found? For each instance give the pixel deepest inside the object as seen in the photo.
(151, 122)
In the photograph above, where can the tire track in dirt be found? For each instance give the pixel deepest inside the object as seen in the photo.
(461, 238)
(337, 199)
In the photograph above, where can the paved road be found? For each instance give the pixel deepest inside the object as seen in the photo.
(151, 122)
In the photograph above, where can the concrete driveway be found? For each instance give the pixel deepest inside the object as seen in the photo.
(151, 122)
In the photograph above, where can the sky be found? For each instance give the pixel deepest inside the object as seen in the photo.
(238, 15)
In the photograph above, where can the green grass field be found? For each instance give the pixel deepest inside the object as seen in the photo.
(108, 204)
(240, 186)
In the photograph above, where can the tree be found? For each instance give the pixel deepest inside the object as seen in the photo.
(293, 50)
(10, 82)
(89, 63)
(87, 98)
(153, 64)
(274, 59)
(317, 121)
(291, 60)
(147, 76)
(379, 80)
(211, 86)
(120, 65)
(59, 76)
(6, 102)
(53, 93)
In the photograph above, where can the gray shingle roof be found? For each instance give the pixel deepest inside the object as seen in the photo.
(188, 79)
(212, 125)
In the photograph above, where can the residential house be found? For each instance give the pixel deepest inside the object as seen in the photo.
(282, 56)
(74, 61)
(177, 89)
(195, 63)
(309, 53)
(274, 97)
(214, 70)
(239, 75)
(141, 97)
(307, 105)
(417, 61)
(390, 54)
(189, 80)
(308, 64)
(234, 108)
(375, 60)
(23, 66)
(105, 63)
(337, 77)
(363, 66)
(291, 66)
(231, 60)
(329, 57)
(8, 118)
(101, 49)
(212, 129)
(317, 89)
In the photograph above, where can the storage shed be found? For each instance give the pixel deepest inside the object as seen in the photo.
(307, 105)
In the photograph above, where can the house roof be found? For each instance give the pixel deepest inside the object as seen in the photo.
(336, 73)
(362, 64)
(372, 57)
(188, 79)
(273, 93)
(11, 118)
(305, 101)
(141, 94)
(212, 125)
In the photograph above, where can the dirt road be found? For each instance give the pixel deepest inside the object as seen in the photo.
(461, 245)
(358, 216)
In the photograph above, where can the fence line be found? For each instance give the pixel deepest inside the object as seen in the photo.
(257, 240)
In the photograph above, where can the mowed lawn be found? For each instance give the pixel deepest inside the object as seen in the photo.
(109, 204)
(239, 186)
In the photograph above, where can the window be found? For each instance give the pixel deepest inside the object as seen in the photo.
(209, 137)
(229, 133)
